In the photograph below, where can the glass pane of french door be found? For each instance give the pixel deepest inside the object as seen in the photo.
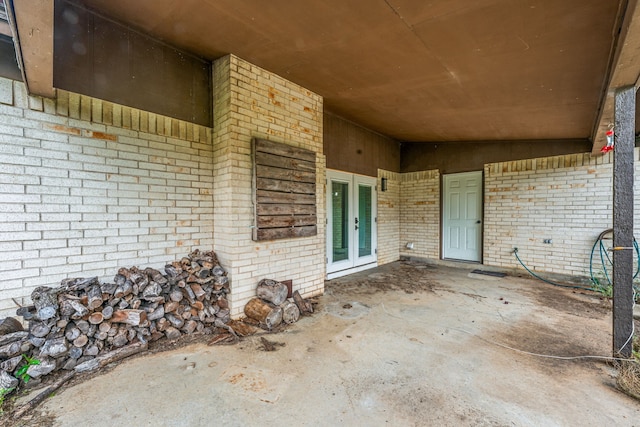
(365, 222)
(340, 220)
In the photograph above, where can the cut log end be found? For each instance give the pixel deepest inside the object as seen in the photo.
(290, 312)
(10, 325)
(273, 291)
(268, 315)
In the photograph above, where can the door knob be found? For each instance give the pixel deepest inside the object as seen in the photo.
(478, 222)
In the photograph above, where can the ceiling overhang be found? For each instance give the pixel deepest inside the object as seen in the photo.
(447, 70)
(625, 71)
(32, 25)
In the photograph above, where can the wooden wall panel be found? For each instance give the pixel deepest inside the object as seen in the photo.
(98, 57)
(454, 157)
(352, 148)
(284, 188)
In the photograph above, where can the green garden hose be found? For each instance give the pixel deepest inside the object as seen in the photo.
(604, 253)
(515, 252)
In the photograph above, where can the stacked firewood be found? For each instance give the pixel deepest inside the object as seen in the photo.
(274, 305)
(72, 326)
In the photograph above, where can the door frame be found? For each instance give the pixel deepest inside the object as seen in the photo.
(443, 198)
(354, 263)
(373, 184)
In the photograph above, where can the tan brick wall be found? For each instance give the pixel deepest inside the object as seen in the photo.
(251, 102)
(564, 198)
(420, 214)
(87, 186)
(388, 217)
(567, 199)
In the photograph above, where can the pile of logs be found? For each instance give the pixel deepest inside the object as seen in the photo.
(274, 305)
(77, 325)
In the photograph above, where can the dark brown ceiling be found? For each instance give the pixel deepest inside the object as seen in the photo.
(416, 70)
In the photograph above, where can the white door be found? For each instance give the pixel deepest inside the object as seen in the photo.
(462, 216)
(351, 223)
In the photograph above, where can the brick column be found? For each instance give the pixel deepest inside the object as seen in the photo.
(251, 102)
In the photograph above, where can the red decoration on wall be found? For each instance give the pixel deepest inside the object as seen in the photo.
(610, 139)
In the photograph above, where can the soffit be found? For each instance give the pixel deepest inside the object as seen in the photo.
(442, 70)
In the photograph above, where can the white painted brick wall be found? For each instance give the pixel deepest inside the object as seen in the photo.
(251, 102)
(88, 186)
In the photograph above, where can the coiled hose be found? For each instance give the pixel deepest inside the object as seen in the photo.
(604, 254)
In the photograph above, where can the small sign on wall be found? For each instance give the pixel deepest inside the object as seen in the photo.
(284, 191)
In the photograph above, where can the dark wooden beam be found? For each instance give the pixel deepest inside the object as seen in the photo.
(625, 111)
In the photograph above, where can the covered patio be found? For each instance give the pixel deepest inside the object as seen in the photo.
(321, 140)
(405, 344)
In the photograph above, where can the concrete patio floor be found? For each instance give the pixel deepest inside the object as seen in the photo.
(406, 344)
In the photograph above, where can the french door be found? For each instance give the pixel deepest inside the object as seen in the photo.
(351, 223)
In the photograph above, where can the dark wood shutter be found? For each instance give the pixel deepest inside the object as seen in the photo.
(284, 190)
